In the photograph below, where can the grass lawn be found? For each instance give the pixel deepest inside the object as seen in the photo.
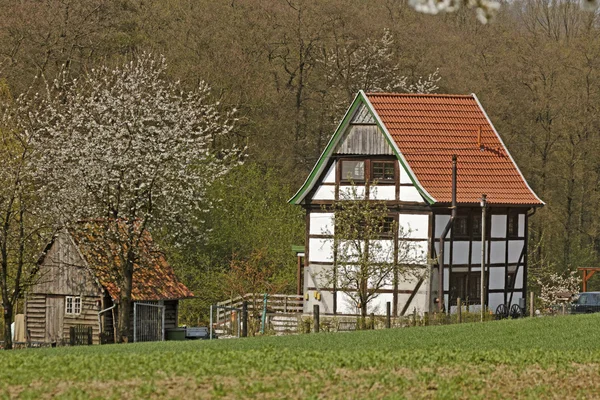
(530, 358)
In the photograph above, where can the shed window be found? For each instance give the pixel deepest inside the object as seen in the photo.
(383, 171)
(73, 305)
(353, 170)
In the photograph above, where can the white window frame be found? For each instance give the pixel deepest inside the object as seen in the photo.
(74, 308)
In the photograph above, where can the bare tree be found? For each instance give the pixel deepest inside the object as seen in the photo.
(370, 250)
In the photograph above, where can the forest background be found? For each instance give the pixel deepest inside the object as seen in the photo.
(290, 67)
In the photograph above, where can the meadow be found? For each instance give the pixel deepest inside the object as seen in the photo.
(552, 357)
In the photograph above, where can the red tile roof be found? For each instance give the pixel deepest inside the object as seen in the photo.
(153, 277)
(429, 129)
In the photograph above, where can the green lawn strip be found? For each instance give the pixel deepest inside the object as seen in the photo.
(436, 361)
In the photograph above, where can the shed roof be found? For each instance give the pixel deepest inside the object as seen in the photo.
(425, 131)
(100, 244)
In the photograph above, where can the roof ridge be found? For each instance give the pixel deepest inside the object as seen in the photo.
(467, 96)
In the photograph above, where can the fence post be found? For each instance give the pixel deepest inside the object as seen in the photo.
(134, 322)
(388, 315)
(245, 319)
(531, 306)
(415, 315)
(89, 335)
(316, 318)
(459, 310)
(72, 336)
(210, 327)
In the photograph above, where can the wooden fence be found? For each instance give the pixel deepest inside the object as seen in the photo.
(276, 303)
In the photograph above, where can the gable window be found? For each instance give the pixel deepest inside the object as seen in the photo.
(513, 225)
(353, 170)
(383, 171)
(73, 305)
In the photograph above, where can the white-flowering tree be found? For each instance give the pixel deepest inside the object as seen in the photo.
(554, 286)
(370, 250)
(26, 224)
(370, 66)
(485, 10)
(128, 145)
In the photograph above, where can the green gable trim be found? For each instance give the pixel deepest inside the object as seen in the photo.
(388, 137)
(360, 98)
(297, 249)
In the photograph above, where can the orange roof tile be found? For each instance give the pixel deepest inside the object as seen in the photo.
(153, 277)
(429, 129)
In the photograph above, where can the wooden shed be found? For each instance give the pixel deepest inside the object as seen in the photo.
(77, 285)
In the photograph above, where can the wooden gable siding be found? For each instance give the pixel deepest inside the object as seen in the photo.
(63, 271)
(363, 139)
(47, 321)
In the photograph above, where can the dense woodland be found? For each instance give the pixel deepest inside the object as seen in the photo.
(289, 68)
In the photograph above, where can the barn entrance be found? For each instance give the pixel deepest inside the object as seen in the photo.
(148, 322)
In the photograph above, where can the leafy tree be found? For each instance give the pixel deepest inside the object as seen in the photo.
(249, 224)
(365, 258)
(128, 145)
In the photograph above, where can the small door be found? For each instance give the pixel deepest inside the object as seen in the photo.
(55, 313)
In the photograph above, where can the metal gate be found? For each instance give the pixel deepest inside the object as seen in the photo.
(148, 322)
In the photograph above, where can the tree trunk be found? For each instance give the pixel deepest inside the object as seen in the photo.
(8, 316)
(125, 307)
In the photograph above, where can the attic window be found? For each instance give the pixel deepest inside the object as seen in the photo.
(383, 171)
(353, 170)
(73, 305)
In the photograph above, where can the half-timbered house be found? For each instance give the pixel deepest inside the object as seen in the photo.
(406, 143)
(78, 284)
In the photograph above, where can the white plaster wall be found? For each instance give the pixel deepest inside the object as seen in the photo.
(498, 226)
(446, 251)
(414, 226)
(497, 252)
(382, 251)
(515, 247)
(446, 279)
(440, 223)
(347, 192)
(476, 252)
(410, 193)
(345, 304)
(330, 175)
(521, 225)
(382, 193)
(413, 252)
(404, 177)
(460, 254)
(325, 192)
(322, 223)
(496, 277)
(320, 250)
(378, 304)
(519, 278)
(495, 299)
(516, 297)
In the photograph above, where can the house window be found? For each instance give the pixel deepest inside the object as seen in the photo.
(460, 227)
(513, 225)
(384, 171)
(476, 226)
(388, 227)
(353, 171)
(73, 305)
(458, 287)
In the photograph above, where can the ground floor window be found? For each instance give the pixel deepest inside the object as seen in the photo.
(466, 286)
(73, 305)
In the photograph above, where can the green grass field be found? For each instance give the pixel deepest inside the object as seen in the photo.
(530, 358)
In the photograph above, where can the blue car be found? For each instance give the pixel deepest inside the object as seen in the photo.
(586, 303)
